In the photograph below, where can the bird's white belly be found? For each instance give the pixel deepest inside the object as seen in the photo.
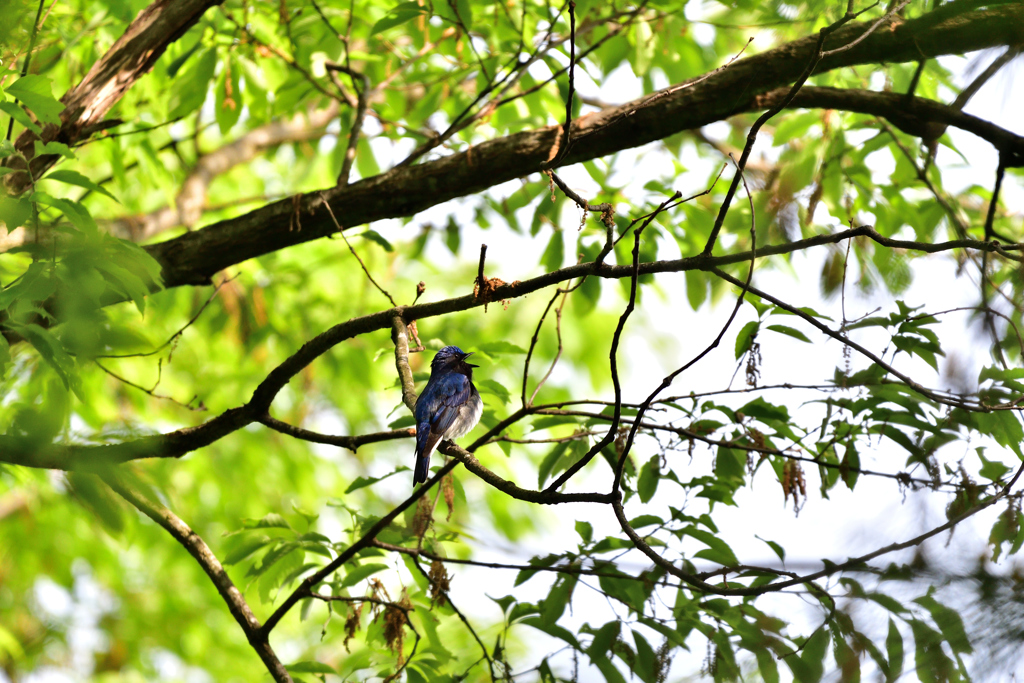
(469, 415)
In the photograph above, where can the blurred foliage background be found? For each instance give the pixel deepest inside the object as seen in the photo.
(257, 102)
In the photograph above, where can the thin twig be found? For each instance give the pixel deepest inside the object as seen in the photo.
(363, 93)
(613, 430)
(352, 443)
(28, 58)
(993, 204)
(152, 392)
(184, 327)
(764, 118)
(533, 345)
(871, 29)
(341, 231)
(462, 618)
(627, 447)
(564, 143)
(558, 338)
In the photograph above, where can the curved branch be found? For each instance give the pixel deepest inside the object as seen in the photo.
(830, 570)
(198, 549)
(352, 443)
(28, 452)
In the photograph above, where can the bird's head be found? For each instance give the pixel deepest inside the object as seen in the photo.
(450, 357)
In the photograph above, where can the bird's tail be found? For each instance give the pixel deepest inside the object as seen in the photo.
(422, 470)
(425, 444)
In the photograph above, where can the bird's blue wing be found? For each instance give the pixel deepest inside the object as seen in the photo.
(452, 392)
(436, 410)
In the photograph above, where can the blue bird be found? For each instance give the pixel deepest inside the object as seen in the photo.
(449, 406)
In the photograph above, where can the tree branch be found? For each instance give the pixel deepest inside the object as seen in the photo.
(130, 58)
(198, 549)
(193, 258)
(28, 452)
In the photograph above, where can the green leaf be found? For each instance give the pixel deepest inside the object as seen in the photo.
(54, 147)
(465, 10)
(789, 331)
(645, 666)
(52, 351)
(641, 521)
(547, 465)
(310, 667)
(179, 61)
(949, 622)
(644, 47)
(273, 575)
(5, 356)
(608, 670)
(495, 348)
(813, 655)
(696, 288)
(97, 497)
(894, 648)
(376, 237)
(19, 115)
(745, 337)
(189, 89)
(14, 211)
(489, 386)
(76, 178)
(603, 640)
(794, 126)
(717, 551)
(585, 530)
(552, 629)
(361, 572)
(36, 93)
(650, 474)
(776, 548)
(362, 482)
(75, 212)
(452, 235)
(552, 607)
(245, 547)
(406, 11)
(228, 96)
(270, 521)
(763, 410)
(129, 283)
(505, 603)
(403, 422)
(554, 253)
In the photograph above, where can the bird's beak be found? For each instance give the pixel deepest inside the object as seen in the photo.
(467, 356)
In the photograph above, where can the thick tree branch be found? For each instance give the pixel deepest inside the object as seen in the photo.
(130, 58)
(913, 115)
(404, 191)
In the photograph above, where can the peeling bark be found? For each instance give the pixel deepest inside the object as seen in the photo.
(130, 58)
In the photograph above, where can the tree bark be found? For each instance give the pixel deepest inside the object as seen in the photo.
(956, 28)
(130, 58)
